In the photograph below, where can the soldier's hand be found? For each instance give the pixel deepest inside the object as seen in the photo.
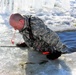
(21, 44)
(54, 55)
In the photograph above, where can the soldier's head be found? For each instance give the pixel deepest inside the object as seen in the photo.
(17, 21)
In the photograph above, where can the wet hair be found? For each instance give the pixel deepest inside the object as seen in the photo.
(16, 17)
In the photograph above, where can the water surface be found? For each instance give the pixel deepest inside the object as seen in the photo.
(68, 38)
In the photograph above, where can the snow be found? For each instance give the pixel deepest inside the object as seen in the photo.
(13, 61)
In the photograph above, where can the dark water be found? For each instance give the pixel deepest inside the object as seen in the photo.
(68, 38)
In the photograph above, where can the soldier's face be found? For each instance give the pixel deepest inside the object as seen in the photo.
(17, 25)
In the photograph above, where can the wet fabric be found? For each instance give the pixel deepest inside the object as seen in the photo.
(45, 38)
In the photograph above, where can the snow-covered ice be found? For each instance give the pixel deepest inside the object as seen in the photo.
(17, 61)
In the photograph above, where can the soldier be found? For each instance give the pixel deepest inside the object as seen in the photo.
(37, 35)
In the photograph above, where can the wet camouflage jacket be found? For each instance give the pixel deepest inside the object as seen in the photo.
(45, 38)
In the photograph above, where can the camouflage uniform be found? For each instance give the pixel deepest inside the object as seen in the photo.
(45, 38)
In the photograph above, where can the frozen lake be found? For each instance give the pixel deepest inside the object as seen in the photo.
(16, 61)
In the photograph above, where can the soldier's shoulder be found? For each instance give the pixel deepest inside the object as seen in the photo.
(26, 16)
(32, 17)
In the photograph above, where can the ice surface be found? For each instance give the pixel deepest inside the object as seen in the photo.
(16, 61)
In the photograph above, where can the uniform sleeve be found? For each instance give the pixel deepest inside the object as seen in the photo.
(26, 38)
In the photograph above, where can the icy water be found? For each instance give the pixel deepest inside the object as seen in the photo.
(68, 38)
